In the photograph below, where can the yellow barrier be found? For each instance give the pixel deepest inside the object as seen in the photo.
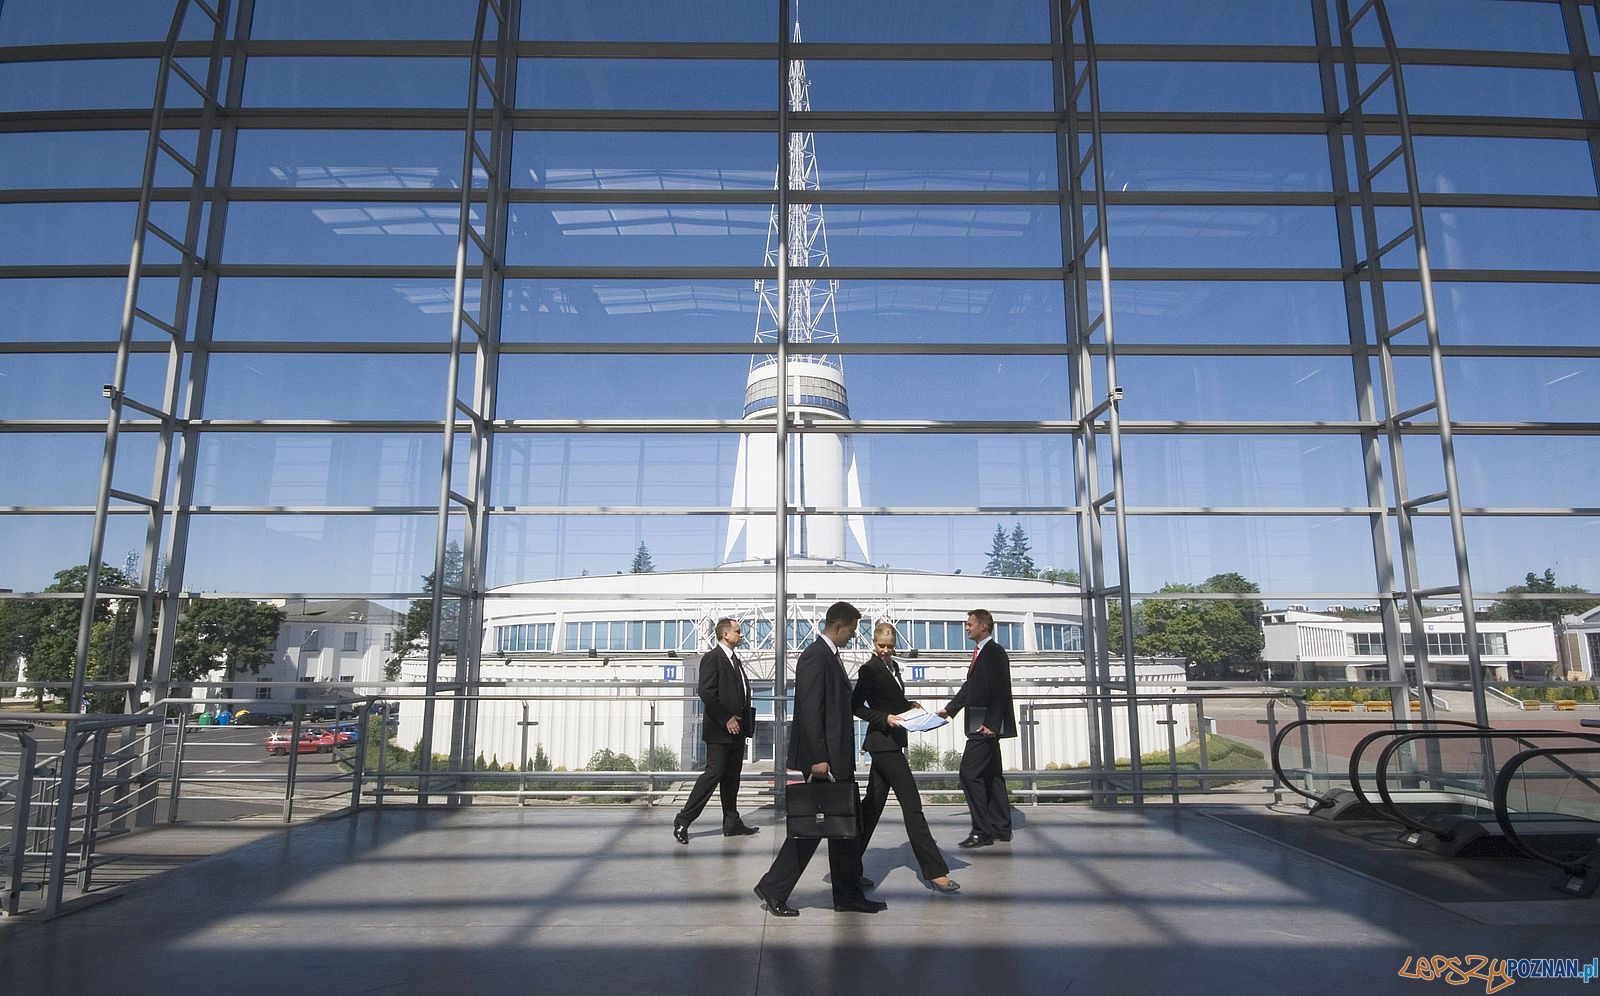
(1416, 706)
(1566, 705)
(1316, 706)
(1378, 705)
(1531, 705)
(1340, 705)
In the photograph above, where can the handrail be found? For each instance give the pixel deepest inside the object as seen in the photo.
(1502, 809)
(1367, 741)
(1303, 724)
(1517, 735)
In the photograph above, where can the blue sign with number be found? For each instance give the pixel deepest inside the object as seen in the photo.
(919, 672)
(669, 672)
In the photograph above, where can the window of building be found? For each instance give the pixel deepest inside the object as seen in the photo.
(350, 639)
(1058, 637)
(1366, 645)
(312, 642)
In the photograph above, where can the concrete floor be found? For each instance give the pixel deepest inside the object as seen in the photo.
(599, 899)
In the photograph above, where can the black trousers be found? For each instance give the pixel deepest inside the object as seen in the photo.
(891, 771)
(724, 762)
(844, 864)
(984, 784)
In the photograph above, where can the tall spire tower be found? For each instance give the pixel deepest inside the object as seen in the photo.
(822, 466)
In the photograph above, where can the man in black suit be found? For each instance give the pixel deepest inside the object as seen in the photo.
(879, 697)
(822, 743)
(986, 695)
(729, 721)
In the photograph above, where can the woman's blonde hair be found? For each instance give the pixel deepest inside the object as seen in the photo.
(881, 628)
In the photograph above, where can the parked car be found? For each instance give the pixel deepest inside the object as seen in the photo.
(339, 734)
(311, 742)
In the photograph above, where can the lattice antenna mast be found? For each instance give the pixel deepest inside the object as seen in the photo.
(812, 317)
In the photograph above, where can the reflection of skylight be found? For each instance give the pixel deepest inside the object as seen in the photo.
(684, 297)
(592, 178)
(601, 220)
(392, 219)
(365, 177)
(437, 299)
(928, 179)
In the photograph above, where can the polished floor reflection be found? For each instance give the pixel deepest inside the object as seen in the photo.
(600, 898)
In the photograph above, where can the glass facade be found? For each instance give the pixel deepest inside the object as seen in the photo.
(312, 399)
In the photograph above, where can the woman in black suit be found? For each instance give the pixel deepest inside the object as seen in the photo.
(880, 694)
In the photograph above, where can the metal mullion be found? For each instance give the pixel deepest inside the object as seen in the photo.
(1583, 68)
(780, 513)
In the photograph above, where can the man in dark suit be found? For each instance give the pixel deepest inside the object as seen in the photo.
(879, 697)
(729, 722)
(986, 695)
(822, 744)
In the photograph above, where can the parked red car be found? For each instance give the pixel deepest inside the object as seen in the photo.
(342, 738)
(311, 742)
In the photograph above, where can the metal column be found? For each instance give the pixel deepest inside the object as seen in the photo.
(1086, 238)
(780, 550)
(173, 327)
(1358, 95)
(491, 83)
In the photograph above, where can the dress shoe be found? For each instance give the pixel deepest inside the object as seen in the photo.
(867, 883)
(739, 830)
(773, 906)
(977, 840)
(680, 832)
(862, 905)
(1003, 838)
(949, 888)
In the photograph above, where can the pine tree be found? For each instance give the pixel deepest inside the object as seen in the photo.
(996, 568)
(1019, 562)
(642, 564)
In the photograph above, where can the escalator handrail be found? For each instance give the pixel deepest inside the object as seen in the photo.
(1490, 734)
(1367, 741)
(1502, 809)
(1283, 734)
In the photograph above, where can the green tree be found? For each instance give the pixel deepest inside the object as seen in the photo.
(1216, 636)
(232, 633)
(642, 564)
(48, 634)
(605, 759)
(998, 552)
(1540, 610)
(412, 636)
(1019, 561)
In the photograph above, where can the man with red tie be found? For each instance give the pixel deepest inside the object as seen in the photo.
(986, 695)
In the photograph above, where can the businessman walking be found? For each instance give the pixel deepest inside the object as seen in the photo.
(986, 695)
(729, 722)
(822, 745)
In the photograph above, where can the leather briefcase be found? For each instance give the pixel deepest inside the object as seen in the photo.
(824, 809)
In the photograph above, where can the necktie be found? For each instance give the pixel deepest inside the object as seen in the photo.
(974, 660)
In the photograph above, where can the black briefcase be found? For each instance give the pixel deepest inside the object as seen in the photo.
(824, 809)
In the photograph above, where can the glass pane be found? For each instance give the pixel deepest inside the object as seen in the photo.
(37, 546)
(342, 233)
(625, 20)
(1533, 389)
(1264, 388)
(398, 160)
(1504, 549)
(560, 160)
(1202, 22)
(1522, 471)
(58, 234)
(615, 469)
(89, 83)
(657, 84)
(947, 543)
(630, 386)
(1223, 236)
(393, 19)
(1289, 554)
(33, 160)
(371, 469)
(1239, 471)
(280, 81)
(1513, 238)
(34, 385)
(1486, 91)
(637, 235)
(1482, 313)
(999, 22)
(1217, 162)
(1228, 311)
(65, 22)
(925, 85)
(326, 386)
(1477, 24)
(537, 547)
(1209, 86)
(78, 308)
(311, 553)
(898, 161)
(957, 471)
(1447, 164)
(337, 308)
(64, 468)
(968, 235)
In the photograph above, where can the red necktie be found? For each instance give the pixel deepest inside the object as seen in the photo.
(974, 660)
